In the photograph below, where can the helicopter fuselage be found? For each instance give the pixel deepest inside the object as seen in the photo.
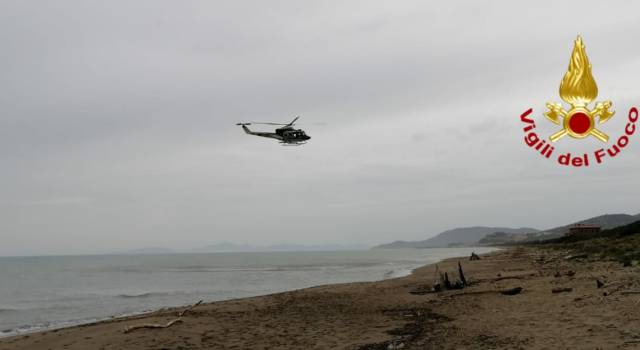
(284, 135)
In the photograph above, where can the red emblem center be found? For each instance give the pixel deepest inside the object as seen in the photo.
(579, 123)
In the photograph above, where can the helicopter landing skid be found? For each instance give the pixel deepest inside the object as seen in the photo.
(292, 143)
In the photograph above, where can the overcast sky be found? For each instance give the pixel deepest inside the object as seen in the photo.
(117, 120)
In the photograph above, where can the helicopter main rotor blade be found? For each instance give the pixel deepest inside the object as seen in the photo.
(293, 121)
(268, 123)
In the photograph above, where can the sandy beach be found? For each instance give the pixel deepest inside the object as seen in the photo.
(401, 313)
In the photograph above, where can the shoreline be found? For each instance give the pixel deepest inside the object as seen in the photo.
(60, 325)
(400, 312)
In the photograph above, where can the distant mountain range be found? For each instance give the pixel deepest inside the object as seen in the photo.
(606, 221)
(466, 236)
(457, 237)
(463, 236)
(147, 251)
(233, 247)
(237, 248)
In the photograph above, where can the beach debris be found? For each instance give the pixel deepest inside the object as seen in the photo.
(500, 277)
(446, 282)
(128, 329)
(423, 322)
(457, 284)
(512, 291)
(183, 312)
(443, 282)
(474, 256)
(561, 290)
(515, 277)
(571, 273)
(461, 274)
(599, 284)
(577, 256)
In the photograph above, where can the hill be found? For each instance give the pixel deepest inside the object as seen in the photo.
(472, 235)
(457, 236)
(607, 221)
(621, 244)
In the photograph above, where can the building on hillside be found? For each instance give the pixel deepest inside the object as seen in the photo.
(583, 230)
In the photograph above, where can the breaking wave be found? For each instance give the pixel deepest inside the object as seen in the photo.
(142, 295)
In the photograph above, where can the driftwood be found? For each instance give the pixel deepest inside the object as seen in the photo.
(510, 291)
(577, 256)
(446, 282)
(181, 313)
(561, 290)
(443, 282)
(501, 278)
(128, 329)
(461, 273)
(436, 284)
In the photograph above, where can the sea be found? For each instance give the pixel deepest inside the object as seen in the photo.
(48, 292)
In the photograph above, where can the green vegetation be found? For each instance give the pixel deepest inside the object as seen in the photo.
(619, 244)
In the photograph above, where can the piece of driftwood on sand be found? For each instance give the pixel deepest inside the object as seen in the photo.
(577, 256)
(510, 291)
(128, 329)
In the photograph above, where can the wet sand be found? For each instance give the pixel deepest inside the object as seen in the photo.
(401, 313)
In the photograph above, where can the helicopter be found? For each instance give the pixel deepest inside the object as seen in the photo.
(287, 135)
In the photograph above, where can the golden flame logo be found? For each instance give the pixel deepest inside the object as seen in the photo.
(578, 88)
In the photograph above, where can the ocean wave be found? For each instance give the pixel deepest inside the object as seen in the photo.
(48, 326)
(282, 268)
(396, 273)
(7, 310)
(142, 295)
(37, 327)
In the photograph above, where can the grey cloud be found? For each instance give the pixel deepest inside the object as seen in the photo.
(117, 126)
